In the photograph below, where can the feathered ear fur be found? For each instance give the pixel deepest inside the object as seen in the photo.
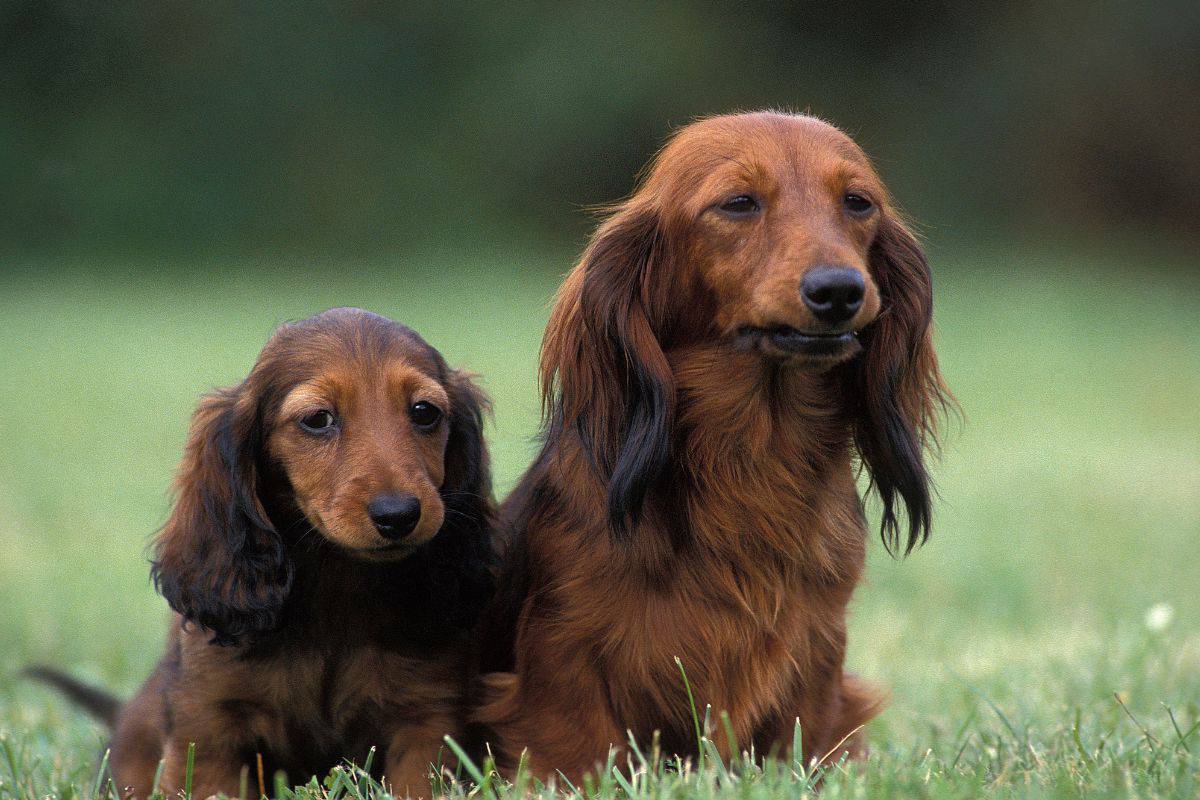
(603, 370)
(467, 486)
(459, 560)
(219, 561)
(897, 388)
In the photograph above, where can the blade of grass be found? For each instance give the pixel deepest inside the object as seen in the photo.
(798, 751)
(1150, 740)
(368, 761)
(11, 758)
(730, 738)
(567, 781)
(98, 791)
(466, 761)
(189, 770)
(1182, 736)
(637, 752)
(966, 740)
(995, 708)
(715, 761)
(156, 787)
(841, 742)
(281, 785)
(623, 782)
(695, 712)
(1078, 737)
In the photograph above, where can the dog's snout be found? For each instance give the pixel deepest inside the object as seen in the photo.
(395, 515)
(833, 294)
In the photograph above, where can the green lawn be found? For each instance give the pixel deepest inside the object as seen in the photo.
(1070, 507)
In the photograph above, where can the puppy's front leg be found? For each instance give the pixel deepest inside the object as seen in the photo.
(413, 754)
(216, 771)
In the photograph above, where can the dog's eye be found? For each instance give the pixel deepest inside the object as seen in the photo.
(857, 204)
(424, 415)
(318, 422)
(741, 205)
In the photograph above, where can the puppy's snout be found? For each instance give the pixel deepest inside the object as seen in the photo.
(395, 515)
(833, 294)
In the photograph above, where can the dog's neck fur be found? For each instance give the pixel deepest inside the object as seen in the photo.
(738, 405)
(756, 526)
(763, 464)
(338, 600)
(760, 481)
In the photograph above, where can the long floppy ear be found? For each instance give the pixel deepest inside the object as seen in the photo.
(603, 370)
(457, 564)
(897, 386)
(219, 561)
(467, 485)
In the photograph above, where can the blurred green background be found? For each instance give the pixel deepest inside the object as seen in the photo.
(368, 127)
(178, 178)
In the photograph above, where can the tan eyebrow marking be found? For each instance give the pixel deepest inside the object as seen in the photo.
(418, 386)
(305, 397)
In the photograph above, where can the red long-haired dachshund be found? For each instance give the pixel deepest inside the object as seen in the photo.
(747, 327)
(328, 552)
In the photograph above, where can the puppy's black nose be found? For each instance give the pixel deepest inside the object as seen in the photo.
(394, 515)
(833, 294)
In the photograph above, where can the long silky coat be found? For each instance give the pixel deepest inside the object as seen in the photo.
(695, 497)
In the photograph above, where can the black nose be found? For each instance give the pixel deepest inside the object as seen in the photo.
(833, 294)
(394, 515)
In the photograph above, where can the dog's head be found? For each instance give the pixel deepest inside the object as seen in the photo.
(766, 233)
(349, 428)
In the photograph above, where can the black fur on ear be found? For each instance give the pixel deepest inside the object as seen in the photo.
(895, 389)
(603, 369)
(459, 561)
(219, 561)
(468, 478)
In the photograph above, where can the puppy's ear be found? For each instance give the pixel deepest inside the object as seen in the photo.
(458, 563)
(219, 561)
(467, 485)
(603, 370)
(896, 386)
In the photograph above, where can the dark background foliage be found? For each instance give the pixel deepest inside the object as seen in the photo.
(365, 127)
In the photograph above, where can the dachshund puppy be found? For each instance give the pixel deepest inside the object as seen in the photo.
(742, 333)
(327, 554)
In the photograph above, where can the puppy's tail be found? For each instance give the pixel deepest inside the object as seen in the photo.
(100, 704)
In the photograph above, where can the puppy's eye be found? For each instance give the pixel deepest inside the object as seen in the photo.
(318, 422)
(857, 204)
(741, 205)
(424, 415)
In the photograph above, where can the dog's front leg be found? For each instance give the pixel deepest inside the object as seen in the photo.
(414, 752)
(216, 770)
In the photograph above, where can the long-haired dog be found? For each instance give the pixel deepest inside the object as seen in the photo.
(739, 335)
(327, 555)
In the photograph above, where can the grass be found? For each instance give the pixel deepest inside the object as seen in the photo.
(1046, 642)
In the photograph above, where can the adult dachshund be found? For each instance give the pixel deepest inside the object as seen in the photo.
(752, 323)
(326, 556)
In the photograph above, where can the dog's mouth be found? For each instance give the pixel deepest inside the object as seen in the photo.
(370, 547)
(784, 341)
(392, 551)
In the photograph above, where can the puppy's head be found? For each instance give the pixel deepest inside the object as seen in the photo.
(349, 428)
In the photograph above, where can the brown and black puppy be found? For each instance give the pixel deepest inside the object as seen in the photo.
(739, 336)
(327, 554)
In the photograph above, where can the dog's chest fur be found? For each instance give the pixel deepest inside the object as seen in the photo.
(742, 566)
(328, 686)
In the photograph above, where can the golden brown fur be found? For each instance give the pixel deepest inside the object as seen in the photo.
(302, 634)
(696, 493)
